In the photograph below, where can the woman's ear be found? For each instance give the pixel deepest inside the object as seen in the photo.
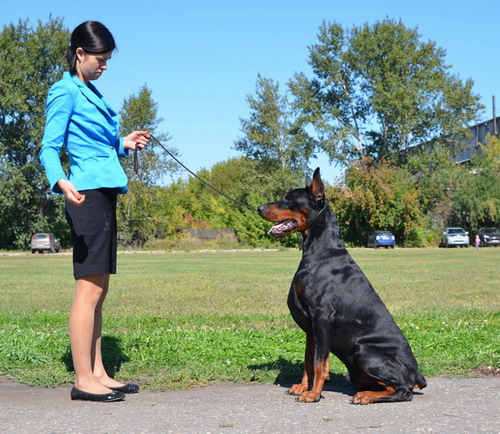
(80, 53)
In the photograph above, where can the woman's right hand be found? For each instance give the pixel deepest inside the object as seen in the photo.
(71, 193)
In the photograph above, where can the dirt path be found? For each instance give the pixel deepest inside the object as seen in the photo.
(446, 406)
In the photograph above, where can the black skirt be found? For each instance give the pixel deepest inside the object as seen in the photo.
(93, 232)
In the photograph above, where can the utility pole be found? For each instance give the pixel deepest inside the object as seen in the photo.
(495, 129)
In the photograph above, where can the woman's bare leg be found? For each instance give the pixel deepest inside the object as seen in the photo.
(89, 291)
(97, 364)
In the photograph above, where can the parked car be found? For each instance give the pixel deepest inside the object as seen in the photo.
(455, 237)
(381, 238)
(489, 237)
(48, 242)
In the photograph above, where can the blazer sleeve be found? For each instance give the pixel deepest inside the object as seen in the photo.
(121, 151)
(60, 102)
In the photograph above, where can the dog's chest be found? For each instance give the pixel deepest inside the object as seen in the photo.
(310, 280)
(327, 276)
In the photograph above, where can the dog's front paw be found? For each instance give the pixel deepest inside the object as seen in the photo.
(297, 389)
(309, 397)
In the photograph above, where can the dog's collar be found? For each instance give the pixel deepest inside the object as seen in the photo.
(317, 215)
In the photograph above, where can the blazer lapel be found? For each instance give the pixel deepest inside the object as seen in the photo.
(103, 103)
(95, 97)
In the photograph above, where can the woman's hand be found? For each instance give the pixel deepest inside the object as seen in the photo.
(139, 138)
(71, 193)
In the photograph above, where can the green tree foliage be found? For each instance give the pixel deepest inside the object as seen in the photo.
(136, 209)
(438, 178)
(489, 157)
(378, 197)
(378, 89)
(271, 135)
(31, 61)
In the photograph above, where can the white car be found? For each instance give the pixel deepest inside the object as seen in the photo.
(47, 242)
(455, 237)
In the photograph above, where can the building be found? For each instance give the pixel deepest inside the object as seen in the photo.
(477, 135)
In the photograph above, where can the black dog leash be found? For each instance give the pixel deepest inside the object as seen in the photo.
(136, 160)
(136, 169)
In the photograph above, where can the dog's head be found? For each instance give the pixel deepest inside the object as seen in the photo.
(295, 210)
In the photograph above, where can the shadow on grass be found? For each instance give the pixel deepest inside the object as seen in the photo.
(112, 356)
(291, 373)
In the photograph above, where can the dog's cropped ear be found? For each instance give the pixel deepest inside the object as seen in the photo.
(317, 188)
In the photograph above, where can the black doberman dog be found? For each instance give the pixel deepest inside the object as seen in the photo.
(338, 309)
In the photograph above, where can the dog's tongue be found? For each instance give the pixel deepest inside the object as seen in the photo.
(280, 228)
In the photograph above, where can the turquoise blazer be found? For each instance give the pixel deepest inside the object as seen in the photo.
(79, 118)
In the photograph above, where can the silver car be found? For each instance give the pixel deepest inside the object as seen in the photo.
(455, 237)
(48, 242)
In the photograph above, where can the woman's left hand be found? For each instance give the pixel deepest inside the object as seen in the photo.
(139, 138)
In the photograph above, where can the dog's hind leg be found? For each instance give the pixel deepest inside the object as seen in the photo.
(389, 394)
(362, 381)
(308, 376)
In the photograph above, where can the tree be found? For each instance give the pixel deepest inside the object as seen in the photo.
(31, 61)
(438, 178)
(271, 135)
(136, 208)
(377, 90)
(489, 157)
(378, 196)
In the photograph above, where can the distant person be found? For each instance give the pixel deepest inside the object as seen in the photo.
(478, 242)
(80, 119)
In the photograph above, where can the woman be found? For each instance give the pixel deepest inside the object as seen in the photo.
(79, 118)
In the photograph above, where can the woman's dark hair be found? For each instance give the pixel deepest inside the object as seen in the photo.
(93, 37)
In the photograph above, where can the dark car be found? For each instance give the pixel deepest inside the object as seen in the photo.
(489, 237)
(381, 238)
(45, 241)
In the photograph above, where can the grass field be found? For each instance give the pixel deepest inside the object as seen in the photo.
(175, 320)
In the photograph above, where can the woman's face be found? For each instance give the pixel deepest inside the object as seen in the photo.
(90, 66)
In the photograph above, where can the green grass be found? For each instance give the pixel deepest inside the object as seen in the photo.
(176, 320)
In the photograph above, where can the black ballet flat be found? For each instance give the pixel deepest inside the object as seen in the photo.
(77, 394)
(128, 388)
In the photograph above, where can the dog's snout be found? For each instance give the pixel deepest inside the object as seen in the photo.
(261, 208)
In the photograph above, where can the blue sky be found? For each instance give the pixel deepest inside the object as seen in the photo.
(201, 58)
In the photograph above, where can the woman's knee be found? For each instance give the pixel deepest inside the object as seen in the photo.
(92, 287)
